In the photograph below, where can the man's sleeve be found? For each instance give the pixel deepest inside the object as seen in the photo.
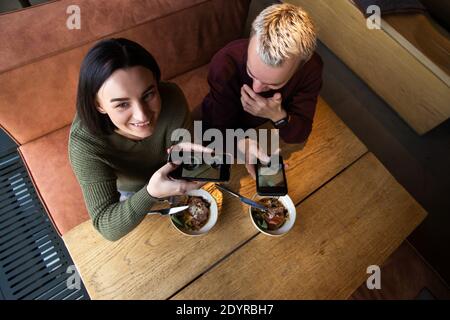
(301, 108)
(220, 108)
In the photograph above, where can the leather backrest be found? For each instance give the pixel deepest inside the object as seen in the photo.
(40, 57)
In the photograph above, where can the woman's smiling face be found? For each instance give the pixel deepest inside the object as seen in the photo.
(131, 99)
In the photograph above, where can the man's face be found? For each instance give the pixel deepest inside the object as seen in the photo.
(130, 98)
(265, 77)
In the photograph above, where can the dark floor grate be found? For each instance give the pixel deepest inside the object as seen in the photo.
(33, 259)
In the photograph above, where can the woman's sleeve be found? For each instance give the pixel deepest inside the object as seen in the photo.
(302, 107)
(113, 219)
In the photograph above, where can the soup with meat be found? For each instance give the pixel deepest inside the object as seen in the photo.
(272, 219)
(194, 217)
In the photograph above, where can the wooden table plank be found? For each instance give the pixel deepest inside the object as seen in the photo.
(154, 261)
(356, 220)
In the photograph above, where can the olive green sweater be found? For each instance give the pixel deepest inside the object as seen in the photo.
(104, 164)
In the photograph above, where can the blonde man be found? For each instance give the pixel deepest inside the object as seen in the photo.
(275, 75)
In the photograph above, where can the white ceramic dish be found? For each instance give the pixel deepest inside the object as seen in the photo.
(288, 224)
(213, 214)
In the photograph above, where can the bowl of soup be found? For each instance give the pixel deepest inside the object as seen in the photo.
(280, 217)
(201, 215)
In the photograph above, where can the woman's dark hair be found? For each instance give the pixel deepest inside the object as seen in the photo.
(101, 61)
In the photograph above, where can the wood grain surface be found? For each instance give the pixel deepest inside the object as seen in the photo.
(356, 220)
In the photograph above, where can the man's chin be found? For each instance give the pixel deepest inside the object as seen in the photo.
(267, 94)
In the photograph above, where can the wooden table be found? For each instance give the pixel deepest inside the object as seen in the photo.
(351, 214)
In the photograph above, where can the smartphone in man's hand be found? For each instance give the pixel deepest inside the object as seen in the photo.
(271, 178)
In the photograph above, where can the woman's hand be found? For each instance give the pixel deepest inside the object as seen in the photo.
(161, 185)
(252, 152)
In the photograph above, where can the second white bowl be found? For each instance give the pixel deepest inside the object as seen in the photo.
(290, 220)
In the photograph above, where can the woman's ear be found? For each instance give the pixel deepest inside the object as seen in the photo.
(99, 107)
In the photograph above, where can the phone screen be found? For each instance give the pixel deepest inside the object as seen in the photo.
(271, 177)
(203, 171)
(197, 169)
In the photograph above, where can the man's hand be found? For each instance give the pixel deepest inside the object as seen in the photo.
(250, 149)
(269, 108)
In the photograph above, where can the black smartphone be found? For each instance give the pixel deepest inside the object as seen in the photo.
(271, 178)
(198, 167)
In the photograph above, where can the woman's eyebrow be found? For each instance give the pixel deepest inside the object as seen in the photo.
(119, 99)
(150, 87)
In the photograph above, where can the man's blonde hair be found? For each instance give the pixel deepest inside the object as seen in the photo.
(282, 31)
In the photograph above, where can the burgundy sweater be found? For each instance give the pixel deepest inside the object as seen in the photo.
(222, 108)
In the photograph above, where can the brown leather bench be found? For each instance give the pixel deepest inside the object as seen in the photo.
(39, 64)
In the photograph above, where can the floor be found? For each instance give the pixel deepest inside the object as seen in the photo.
(34, 262)
(405, 275)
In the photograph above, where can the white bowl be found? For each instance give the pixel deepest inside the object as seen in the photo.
(288, 224)
(213, 214)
